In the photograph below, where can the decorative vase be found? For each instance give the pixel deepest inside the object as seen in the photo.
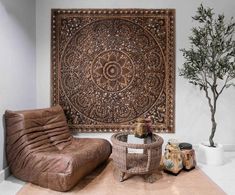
(211, 155)
(143, 127)
(140, 129)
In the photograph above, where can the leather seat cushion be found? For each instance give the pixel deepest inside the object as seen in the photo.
(41, 149)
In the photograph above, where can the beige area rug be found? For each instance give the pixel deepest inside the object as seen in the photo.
(104, 182)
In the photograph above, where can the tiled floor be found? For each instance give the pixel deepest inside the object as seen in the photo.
(222, 175)
(10, 186)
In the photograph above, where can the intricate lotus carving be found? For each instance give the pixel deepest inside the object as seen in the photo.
(111, 66)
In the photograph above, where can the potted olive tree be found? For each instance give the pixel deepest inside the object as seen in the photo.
(209, 62)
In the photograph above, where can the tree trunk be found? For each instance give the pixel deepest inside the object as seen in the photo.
(213, 129)
(213, 111)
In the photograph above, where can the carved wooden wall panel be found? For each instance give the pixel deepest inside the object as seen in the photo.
(110, 67)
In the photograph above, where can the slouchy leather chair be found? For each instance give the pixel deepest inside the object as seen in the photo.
(41, 150)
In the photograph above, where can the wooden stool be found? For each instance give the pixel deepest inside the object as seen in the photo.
(188, 155)
(189, 160)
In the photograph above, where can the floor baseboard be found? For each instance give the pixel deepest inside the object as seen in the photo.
(227, 147)
(5, 173)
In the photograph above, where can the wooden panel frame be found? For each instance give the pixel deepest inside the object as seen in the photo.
(82, 52)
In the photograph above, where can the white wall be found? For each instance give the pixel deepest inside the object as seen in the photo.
(192, 112)
(17, 60)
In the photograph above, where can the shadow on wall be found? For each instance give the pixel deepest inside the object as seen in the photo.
(4, 142)
(17, 10)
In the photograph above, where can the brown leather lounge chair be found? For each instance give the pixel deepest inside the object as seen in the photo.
(41, 150)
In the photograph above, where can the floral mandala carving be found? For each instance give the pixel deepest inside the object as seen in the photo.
(110, 67)
(112, 70)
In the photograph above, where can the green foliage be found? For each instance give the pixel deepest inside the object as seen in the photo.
(210, 60)
(212, 52)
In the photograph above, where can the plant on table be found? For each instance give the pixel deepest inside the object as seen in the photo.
(209, 62)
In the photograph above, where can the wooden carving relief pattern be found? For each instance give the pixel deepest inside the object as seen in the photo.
(110, 67)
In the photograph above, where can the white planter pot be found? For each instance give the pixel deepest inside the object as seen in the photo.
(211, 155)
